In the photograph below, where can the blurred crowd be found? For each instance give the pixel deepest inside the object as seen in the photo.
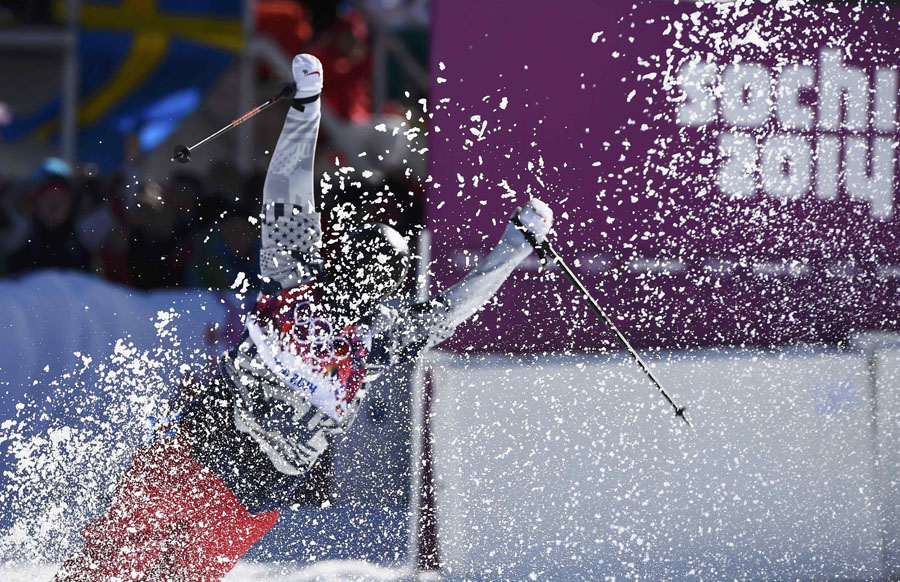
(17, 12)
(186, 230)
(202, 230)
(144, 234)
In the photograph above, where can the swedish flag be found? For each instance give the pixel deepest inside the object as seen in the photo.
(145, 65)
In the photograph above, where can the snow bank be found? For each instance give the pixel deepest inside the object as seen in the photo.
(329, 571)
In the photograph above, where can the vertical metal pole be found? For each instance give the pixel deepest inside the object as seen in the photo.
(877, 469)
(71, 81)
(428, 562)
(379, 69)
(244, 150)
(416, 389)
(417, 414)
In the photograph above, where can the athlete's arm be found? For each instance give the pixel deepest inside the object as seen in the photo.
(291, 230)
(423, 325)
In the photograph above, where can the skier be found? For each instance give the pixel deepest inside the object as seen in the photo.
(194, 500)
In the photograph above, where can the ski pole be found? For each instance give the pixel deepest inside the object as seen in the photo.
(182, 153)
(546, 252)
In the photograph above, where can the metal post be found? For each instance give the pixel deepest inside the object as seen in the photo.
(71, 83)
(879, 493)
(418, 420)
(244, 150)
(428, 559)
(379, 69)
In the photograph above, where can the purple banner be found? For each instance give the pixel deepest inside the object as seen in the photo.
(722, 174)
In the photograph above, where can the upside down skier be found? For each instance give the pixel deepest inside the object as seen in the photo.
(194, 501)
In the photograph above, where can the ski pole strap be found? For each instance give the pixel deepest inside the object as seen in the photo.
(300, 102)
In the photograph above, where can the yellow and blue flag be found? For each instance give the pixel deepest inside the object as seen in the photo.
(145, 65)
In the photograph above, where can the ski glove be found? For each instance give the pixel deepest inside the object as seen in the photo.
(537, 218)
(307, 71)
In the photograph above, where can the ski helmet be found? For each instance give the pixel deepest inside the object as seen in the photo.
(372, 263)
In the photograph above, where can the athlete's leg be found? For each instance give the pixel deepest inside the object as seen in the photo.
(207, 549)
(129, 540)
(171, 519)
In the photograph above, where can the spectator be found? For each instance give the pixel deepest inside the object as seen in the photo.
(155, 257)
(186, 191)
(52, 242)
(14, 224)
(112, 254)
(345, 54)
(287, 22)
(230, 248)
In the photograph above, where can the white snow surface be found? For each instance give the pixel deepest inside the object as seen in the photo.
(326, 571)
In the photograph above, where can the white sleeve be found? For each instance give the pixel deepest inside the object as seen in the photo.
(291, 229)
(423, 325)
